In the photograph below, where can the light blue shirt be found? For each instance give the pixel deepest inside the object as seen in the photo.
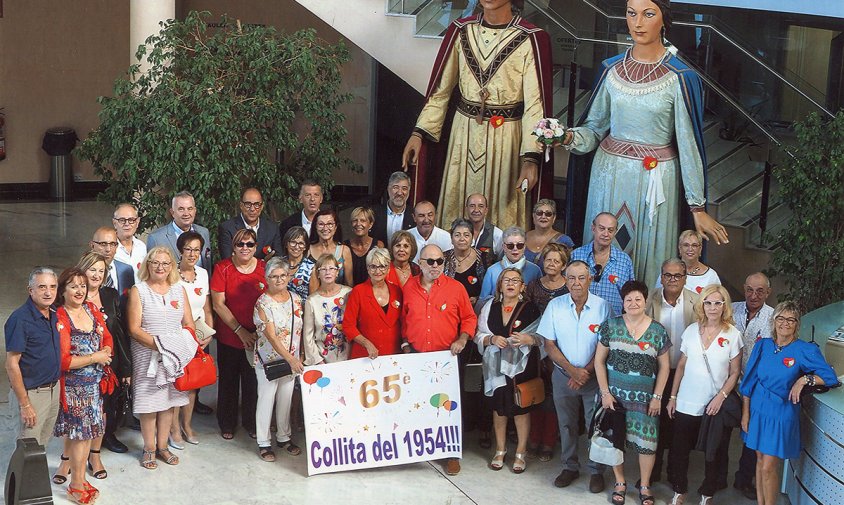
(529, 273)
(179, 231)
(617, 271)
(575, 336)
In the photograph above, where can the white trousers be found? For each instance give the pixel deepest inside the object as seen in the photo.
(280, 392)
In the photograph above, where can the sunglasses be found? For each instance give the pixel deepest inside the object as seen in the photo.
(544, 213)
(250, 245)
(518, 245)
(433, 261)
(599, 269)
(715, 303)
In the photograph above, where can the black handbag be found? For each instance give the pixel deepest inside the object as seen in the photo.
(279, 368)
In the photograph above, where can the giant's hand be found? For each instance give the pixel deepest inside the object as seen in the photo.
(710, 228)
(530, 171)
(410, 156)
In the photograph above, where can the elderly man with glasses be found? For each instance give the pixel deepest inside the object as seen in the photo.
(183, 211)
(673, 306)
(251, 205)
(130, 249)
(436, 314)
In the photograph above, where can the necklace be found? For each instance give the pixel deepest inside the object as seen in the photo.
(464, 258)
(780, 347)
(640, 67)
(486, 74)
(635, 329)
(182, 275)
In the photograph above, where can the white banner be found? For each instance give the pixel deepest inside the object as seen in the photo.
(392, 410)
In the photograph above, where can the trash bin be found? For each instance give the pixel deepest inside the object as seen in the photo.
(59, 142)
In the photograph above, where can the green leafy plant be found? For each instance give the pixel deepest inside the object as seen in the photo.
(812, 186)
(221, 107)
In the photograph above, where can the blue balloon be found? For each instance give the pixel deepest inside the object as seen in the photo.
(323, 381)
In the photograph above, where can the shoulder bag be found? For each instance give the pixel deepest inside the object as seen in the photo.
(532, 391)
(199, 372)
(279, 368)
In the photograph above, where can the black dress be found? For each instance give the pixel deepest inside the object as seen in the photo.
(472, 278)
(359, 272)
(502, 398)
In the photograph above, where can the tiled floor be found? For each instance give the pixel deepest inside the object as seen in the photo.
(230, 472)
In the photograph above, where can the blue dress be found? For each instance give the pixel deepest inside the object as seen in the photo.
(774, 427)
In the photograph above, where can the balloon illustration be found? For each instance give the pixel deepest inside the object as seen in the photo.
(322, 382)
(450, 405)
(311, 377)
(441, 400)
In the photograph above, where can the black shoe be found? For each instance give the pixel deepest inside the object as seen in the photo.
(746, 490)
(565, 478)
(596, 483)
(135, 424)
(202, 409)
(112, 444)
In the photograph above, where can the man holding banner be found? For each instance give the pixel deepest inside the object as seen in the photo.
(437, 314)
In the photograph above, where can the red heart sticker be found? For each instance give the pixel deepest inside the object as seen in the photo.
(758, 338)
(139, 266)
(472, 280)
(699, 289)
(650, 162)
(613, 279)
(723, 341)
(644, 346)
(125, 291)
(175, 304)
(198, 291)
(338, 302)
(297, 281)
(594, 328)
(788, 362)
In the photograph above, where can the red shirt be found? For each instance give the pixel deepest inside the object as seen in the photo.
(242, 291)
(365, 317)
(432, 321)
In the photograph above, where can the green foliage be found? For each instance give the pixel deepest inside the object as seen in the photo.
(211, 111)
(812, 246)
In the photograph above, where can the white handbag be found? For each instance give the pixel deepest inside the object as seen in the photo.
(601, 448)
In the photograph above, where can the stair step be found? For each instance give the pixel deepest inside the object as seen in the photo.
(406, 7)
(778, 218)
(743, 205)
(731, 175)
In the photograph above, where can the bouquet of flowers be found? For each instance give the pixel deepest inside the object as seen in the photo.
(549, 131)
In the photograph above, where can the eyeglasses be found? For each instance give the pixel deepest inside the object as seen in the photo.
(125, 220)
(517, 245)
(252, 205)
(544, 213)
(191, 250)
(687, 245)
(509, 281)
(249, 245)
(326, 225)
(433, 261)
(788, 320)
(324, 270)
(599, 269)
(162, 264)
(673, 277)
(107, 245)
(296, 244)
(713, 303)
(377, 268)
(276, 278)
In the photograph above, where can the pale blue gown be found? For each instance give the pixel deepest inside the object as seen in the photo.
(647, 113)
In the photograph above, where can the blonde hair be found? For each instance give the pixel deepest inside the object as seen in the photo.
(786, 306)
(323, 260)
(366, 212)
(557, 248)
(726, 314)
(172, 277)
(90, 259)
(500, 281)
(378, 256)
(688, 234)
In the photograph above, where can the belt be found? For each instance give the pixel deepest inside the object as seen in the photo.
(636, 150)
(47, 385)
(508, 112)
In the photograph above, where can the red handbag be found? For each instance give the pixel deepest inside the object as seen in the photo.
(199, 372)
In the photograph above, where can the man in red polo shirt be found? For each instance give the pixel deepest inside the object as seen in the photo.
(436, 314)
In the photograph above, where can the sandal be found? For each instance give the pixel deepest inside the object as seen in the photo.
(148, 460)
(291, 448)
(227, 435)
(266, 454)
(79, 496)
(171, 460)
(646, 499)
(619, 497)
(519, 463)
(496, 463)
(94, 492)
(99, 474)
(60, 478)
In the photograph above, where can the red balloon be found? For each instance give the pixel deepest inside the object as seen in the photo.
(311, 376)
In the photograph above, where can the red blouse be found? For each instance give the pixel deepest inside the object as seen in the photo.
(242, 291)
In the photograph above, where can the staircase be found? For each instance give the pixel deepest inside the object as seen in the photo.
(737, 163)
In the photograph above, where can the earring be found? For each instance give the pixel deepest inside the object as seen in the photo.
(521, 297)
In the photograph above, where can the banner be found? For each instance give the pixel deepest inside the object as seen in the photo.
(392, 410)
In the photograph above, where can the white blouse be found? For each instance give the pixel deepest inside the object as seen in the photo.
(197, 293)
(697, 386)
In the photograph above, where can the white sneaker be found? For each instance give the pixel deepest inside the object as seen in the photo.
(706, 500)
(679, 499)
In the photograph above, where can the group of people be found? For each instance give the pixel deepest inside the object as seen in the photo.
(655, 345)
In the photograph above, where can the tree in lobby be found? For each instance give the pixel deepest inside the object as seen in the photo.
(216, 105)
(811, 246)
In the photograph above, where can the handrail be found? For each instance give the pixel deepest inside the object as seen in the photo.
(553, 16)
(697, 24)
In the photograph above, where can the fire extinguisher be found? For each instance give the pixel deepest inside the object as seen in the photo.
(2, 135)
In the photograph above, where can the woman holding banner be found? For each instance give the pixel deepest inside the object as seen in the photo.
(510, 357)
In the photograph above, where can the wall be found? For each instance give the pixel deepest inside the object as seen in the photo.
(57, 58)
(289, 16)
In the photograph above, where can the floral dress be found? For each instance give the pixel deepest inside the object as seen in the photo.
(323, 336)
(631, 369)
(82, 417)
